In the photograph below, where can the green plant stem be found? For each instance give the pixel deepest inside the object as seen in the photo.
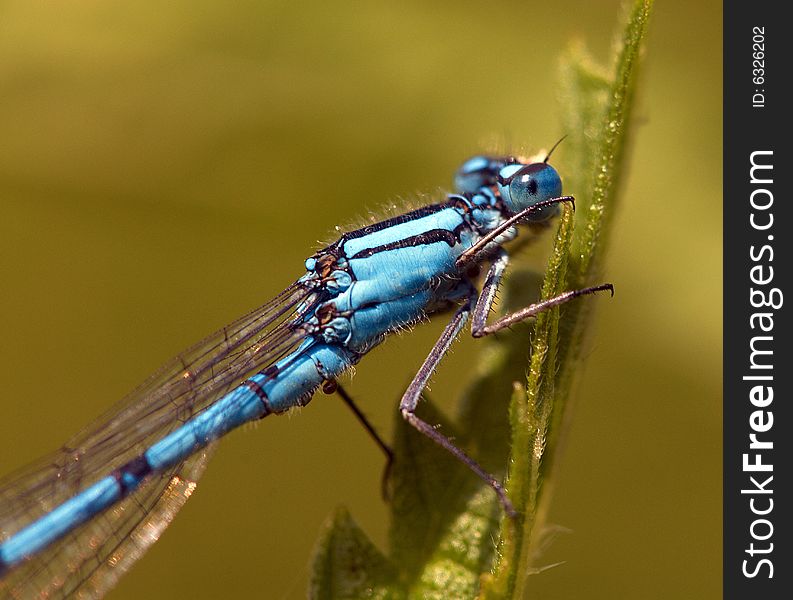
(557, 344)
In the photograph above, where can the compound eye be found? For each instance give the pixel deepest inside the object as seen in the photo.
(522, 186)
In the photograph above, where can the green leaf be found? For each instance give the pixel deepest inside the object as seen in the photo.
(347, 565)
(444, 520)
(427, 478)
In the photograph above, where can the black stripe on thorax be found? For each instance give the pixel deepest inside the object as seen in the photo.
(433, 236)
(403, 218)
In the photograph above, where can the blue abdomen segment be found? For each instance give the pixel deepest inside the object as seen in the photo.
(239, 406)
(235, 408)
(288, 383)
(284, 385)
(72, 513)
(292, 380)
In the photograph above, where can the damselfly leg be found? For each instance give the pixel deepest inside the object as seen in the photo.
(480, 305)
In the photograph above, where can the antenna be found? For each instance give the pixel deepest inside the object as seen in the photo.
(561, 139)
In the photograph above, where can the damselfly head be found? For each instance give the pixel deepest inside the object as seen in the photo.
(522, 186)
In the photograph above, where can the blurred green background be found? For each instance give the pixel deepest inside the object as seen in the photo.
(164, 167)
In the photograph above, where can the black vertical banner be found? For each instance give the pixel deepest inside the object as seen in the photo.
(758, 229)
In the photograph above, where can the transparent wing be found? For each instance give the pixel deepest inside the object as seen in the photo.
(88, 562)
(94, 555)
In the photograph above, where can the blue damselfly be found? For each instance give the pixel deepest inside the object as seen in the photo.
(76, 520)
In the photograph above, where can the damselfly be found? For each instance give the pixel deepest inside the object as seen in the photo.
(78, 519)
